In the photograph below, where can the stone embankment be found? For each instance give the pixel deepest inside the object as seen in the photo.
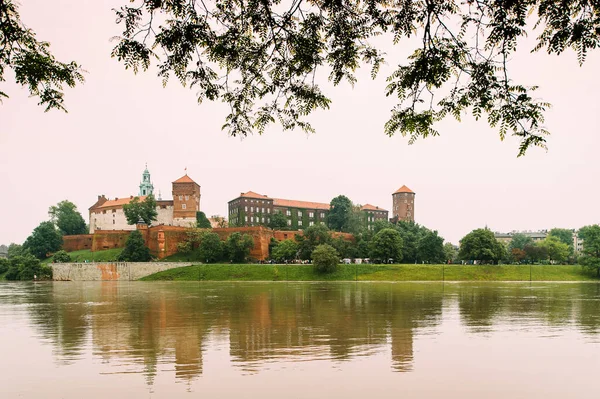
(110, 271)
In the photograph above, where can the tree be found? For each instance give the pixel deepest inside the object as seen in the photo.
(519, 241)
(411, 234)
(135, 249)
(238, 247)
(45, 239)
(144, 210)
(31, 61)
(386, 245)
(285, 250)
(325, 258)
(555, 249)
(61, 257)
(312, 236)
(202, 221)
(481, 245)
(27, 267)
(278, 221)
(431, 248)
(4, 265)
(591, 247)
(15, 250)
(340, 212)
(449, 252)
(564, 235)
(518, 255)
(66, 217)
(220, 220)
(211, 248)
(344, 247)
(535, 253)
(260, 57)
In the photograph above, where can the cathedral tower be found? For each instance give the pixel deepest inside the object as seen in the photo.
(146, 186)
(403, 204)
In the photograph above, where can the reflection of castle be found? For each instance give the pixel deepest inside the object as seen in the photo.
(107, 214)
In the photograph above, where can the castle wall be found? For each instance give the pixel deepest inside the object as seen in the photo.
(77, 242)
(110, 271)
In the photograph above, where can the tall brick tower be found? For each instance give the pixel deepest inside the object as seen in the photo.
(186, 201)
(403, 204)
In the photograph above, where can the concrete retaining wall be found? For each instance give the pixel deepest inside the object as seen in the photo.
(110, 271)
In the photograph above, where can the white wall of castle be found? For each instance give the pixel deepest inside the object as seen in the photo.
(114, 219)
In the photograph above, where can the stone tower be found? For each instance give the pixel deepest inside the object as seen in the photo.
(403, 204)
(146, 186)
(186, 201)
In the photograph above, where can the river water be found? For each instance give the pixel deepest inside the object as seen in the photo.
(299, 340)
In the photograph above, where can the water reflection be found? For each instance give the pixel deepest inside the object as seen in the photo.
(148, 328)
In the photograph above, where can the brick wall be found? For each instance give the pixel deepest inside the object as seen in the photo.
(77, 242)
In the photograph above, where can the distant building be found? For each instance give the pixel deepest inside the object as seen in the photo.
(3, 251)
(253, 209)
(108, 214)
(577, 243)
(403, 204)
(534, 235)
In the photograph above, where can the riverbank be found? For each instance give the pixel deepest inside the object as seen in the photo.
(256, 272)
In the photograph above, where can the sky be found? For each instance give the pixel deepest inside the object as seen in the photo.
(117, 122)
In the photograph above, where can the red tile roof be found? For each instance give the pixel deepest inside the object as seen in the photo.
(369, 207)
(119, 202)
(404, 189)
(184, 179)
(252, 194)
(300, 204)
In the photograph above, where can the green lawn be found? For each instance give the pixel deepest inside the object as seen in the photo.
(96, 256)
(254, 272)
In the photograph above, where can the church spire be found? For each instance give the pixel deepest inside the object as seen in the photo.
(146, 186)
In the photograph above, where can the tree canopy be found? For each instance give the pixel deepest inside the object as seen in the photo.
(481, 245)
(135, 249)
(43, 240)
(31, 61)
(340, 213)
(591, 247)
(386, 245)
(67, 218)
(202, 221)
(261, 57)
(144, 210)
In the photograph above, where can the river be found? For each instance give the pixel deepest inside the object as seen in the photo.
(299, 340)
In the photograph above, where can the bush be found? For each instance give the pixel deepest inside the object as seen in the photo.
(27, 267)
(135, 249)
(4, 264)
(238, 247)
(61, 257)
(211, 248)
(325, 258)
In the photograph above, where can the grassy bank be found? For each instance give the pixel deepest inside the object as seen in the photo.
(255, 272)
(96, 256)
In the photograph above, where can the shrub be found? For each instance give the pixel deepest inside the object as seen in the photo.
(135, 249)
(61, 257)
(325, 258)
(4, 264)
(27, 267)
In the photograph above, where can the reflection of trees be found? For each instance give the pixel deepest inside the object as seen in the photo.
(145, 325)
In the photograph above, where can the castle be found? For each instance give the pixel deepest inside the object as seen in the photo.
(107, 214)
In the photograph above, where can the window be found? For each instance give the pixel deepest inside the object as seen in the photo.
(263, 210)
(268, 210)
(311, 214)
(113, 221)
(183, 206)
(114, 210)
(311, 223)
(263, 220)
(251, 209)
(322, 215)
(187, 197)
(180, 197)
(289, 222)
(299, 214)
(246, 218)
(299, 222)
(288, 212)
(252, 218)
(268, 220)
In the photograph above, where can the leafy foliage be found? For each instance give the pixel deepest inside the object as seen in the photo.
(555, 249)
(431, 248)
(386, 245)
(481, 245)
(211, 248)
(285, 250)
(61, 257)
(261, 57)
(450, 253)
(325, 258)
(144, 210)
(135, 249)
(66, 217)
(27, 267)
(340, 212)
(278, 221)
(43, 240)
(202, 221)
(564, 235)
(16, 250)
(591, 247)
(31, 61)
(313, 236)
(238, 247)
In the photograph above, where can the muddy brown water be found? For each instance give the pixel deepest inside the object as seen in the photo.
(299, 340)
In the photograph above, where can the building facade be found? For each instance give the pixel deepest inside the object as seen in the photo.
(253, 209)
(3, 251)
(108, 214)
(403, 204)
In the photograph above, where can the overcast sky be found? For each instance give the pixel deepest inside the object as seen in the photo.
(117, 121)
